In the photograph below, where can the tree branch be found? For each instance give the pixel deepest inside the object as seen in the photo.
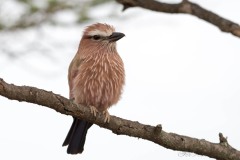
(187, 8)
(119, 126)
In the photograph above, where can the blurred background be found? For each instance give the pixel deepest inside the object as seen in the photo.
(181, 72)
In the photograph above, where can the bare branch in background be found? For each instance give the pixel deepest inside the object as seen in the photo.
(35, 13)
(185, 7)
(120, 126)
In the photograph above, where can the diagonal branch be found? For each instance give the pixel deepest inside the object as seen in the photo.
(118, 125)
(187, 8)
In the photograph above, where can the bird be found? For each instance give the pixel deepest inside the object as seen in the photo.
(96, 77)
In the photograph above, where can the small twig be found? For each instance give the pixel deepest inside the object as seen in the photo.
(223, 140)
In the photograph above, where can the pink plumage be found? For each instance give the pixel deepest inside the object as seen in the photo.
(96, 78)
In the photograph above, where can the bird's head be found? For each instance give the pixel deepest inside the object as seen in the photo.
(100, 36)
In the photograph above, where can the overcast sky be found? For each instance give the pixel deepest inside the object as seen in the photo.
(181, 72)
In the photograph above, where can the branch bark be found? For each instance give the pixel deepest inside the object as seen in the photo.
(118, 125)
(185, 7)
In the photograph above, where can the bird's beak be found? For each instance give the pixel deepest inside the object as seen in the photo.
(115, 36)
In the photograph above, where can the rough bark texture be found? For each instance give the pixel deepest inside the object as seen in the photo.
(187, 8)
(118, 125)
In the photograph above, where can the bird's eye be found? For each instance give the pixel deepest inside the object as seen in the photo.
(96, 37)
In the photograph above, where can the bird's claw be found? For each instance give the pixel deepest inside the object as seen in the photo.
(93, 110)
(107, 117)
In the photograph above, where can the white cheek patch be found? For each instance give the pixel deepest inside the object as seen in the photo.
(100, 33)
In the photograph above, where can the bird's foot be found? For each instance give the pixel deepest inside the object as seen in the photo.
(107, 117)
(93, 110)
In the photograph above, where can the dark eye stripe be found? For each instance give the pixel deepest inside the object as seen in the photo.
(96, 37)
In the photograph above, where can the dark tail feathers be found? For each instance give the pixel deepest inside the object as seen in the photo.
(76, 136)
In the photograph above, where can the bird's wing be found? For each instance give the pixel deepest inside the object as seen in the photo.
(73, 71)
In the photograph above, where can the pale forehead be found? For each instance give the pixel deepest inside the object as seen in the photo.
(99, 29)
(100, 33)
